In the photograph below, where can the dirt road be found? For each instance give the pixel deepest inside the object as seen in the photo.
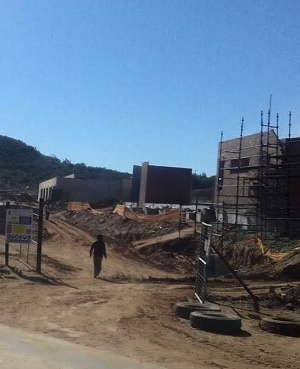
(130, 311)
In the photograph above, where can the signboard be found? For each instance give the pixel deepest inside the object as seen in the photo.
(18, 227)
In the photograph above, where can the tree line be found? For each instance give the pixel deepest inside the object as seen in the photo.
(22, 167)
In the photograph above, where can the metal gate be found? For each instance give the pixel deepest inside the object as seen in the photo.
(203, 256)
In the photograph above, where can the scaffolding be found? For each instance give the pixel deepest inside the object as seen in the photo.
(258, 180)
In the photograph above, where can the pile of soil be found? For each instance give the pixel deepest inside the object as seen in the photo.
(256, 260)
(288, 266)
(179, 253)
(174, 254)
(115, 226)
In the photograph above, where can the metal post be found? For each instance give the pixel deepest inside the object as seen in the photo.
(196, 212)
(259, 207)
(7, 244)
(195, 224)
(40, 236)
(179, 224)
(278, 189)
(219, 179)
(238, 179)
(251, 294)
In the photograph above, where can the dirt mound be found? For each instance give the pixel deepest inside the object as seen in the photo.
(245, 253)
(168, 216)
(250, 256)
(157, 243)
(254, 259)
(288, 266)
(116, 226)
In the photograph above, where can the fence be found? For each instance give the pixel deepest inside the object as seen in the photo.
(203, 256)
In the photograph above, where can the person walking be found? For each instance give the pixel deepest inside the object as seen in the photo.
(98, 250)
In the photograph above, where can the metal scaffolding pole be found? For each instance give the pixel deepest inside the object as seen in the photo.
(238, 178)
(220, 178)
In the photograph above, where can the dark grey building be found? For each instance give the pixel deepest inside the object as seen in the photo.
(160, 184)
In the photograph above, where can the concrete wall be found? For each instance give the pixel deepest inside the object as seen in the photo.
(136, 183)
(90, 190)
(75, 189)
(126, 189)
(143, 183)
(46, 188)
(165, 185)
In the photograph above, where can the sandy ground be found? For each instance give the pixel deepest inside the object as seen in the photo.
(129, 311)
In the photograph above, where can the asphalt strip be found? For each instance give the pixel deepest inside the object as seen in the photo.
(22, 350)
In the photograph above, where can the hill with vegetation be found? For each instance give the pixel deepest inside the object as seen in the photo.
(23, 166)
(203, 182)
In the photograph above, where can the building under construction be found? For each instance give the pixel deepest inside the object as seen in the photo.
(258, 182)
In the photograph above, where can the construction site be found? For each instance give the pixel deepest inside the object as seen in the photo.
(206, 286)
(258, 180)
(150, 272)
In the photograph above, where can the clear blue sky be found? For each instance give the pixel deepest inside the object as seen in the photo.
(113, 83)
